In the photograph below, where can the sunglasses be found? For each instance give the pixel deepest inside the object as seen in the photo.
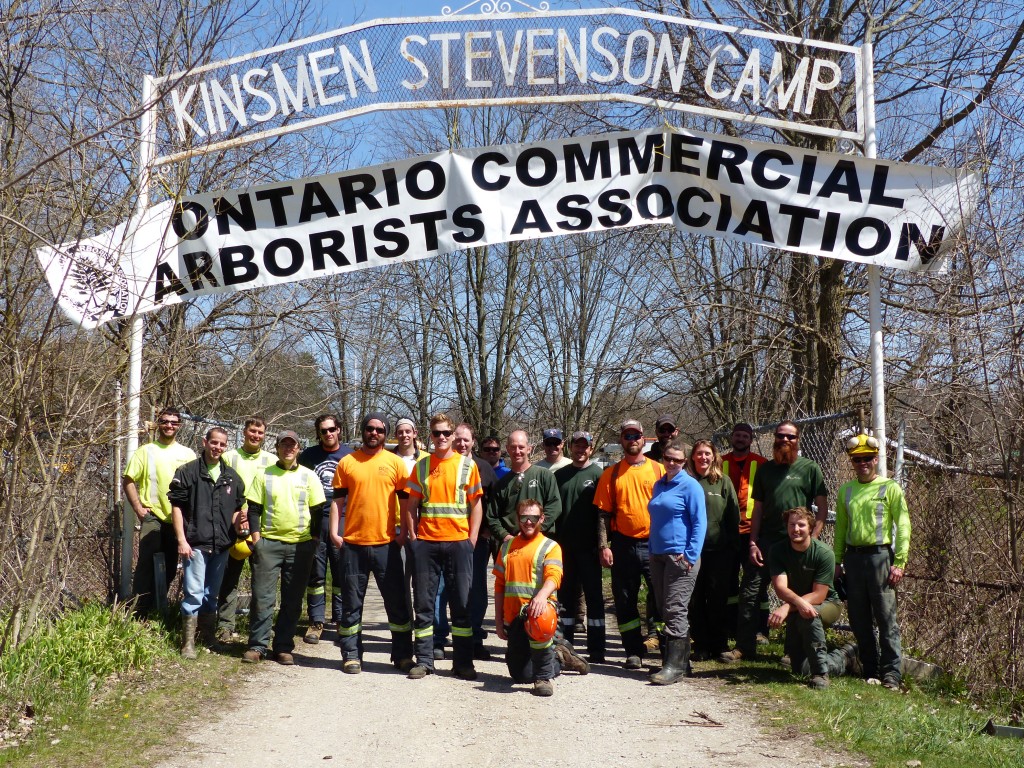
(784, 436)
(862, 459)
(670, 460)
(378, 430)
(531, 519)
(666, 429)
(168, 423)
(632, 435)
(442, 432)
(490, 449)
(328, 430)
(552, 443)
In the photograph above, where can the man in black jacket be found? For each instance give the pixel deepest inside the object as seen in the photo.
(206, 497)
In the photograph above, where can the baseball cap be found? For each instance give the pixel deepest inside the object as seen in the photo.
(742, 426)
(286, 434)
(663, 420)
(582, 436)
(631, 424)
(553, 434)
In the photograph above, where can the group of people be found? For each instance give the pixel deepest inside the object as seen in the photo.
(683, 519)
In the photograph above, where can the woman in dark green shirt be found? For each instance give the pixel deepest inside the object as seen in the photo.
(707, 607)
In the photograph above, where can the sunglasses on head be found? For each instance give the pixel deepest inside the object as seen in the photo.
(442, 432)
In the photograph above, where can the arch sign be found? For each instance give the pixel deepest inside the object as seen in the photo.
(833, 205)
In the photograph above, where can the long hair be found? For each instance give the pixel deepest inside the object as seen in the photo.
(715, 470)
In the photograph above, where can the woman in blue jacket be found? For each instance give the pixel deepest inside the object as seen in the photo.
(678, 523)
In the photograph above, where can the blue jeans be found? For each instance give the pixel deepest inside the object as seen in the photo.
(202, 576)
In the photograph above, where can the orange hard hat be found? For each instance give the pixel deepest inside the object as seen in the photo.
(542, 628)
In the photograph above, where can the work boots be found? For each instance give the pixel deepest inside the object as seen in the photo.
(188, 631)
(207, 623)
(677, 658)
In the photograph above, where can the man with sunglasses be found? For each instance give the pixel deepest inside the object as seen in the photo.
(667, 431)
(441, 518)
(868, 510)
(624, 526)
(553, 459)
(323, 459)
(368, 481)
(490, 451)
(145, 483)
(786, 482)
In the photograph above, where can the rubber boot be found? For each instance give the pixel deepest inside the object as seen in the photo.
(207, 623)
(677, 655)
(188, 630)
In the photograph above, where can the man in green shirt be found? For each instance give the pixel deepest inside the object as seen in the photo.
(789, 480)
(146, 480)
(869, 510)
(577, 534)
(286, 503)
(802, 570)
(525, 481)
(247, 461)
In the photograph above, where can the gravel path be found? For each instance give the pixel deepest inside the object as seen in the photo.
(313, 714)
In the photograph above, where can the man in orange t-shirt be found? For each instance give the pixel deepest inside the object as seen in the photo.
(621, 497)
(441, 518)
(370, 479)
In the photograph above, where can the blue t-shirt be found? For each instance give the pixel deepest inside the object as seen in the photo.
(324, 463)
(679, 518)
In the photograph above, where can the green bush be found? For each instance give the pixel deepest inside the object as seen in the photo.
(64, 662)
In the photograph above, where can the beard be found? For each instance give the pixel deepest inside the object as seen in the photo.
(784, 453)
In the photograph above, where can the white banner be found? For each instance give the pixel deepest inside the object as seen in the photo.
(838, 206)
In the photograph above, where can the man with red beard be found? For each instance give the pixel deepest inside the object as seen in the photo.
(787, 481)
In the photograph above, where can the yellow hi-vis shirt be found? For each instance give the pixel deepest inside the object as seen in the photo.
(522, 567)
(152, 468)
(286, 496)
(866, 514)
(247, 465)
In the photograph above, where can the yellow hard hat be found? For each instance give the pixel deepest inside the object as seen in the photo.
(862, 445)
(241, 549)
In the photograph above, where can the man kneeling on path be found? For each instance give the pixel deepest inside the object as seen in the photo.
(526, 576)
(802, 570)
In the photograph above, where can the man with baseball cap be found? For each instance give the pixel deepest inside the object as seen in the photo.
(622, 495)
(577, 534)
(667, 431)
(369, 482)
(554, 459)
(868, 511)
(286, 505)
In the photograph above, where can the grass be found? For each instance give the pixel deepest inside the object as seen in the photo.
(926, 723)
(98, 688)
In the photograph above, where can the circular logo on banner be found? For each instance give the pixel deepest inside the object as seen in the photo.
(96, 285)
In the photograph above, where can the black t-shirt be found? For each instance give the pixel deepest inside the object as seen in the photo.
(324, 464)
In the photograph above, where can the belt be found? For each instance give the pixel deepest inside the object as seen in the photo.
(874, 549)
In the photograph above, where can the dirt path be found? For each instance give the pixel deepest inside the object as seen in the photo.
(313, 714)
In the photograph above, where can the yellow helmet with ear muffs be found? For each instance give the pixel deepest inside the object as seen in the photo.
(241, 549)
(862, 445)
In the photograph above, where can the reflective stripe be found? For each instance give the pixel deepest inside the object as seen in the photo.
(879, 514)
(659, 626)
(315, 590)
(630, 625)
(523, 589)
(462, 631)
(422, 632)
(441, 510)
(541, 646)
(335, 590)
(568, 622)
(464, 467)
(154, 482)
(595, 622)
(749, 511)
(407, 627)
(268, 498)
(350, 631)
